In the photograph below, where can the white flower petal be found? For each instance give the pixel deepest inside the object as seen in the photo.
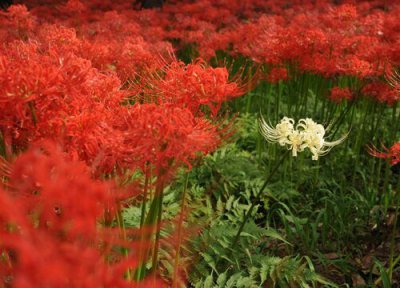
(308, 134)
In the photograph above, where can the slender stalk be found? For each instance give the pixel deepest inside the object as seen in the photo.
(145, 192)
(393, 262)
(140, 272)
(392, 240)
(121, 225)
(323, 116)
(7, 144)
(337, 124)
(2, 146)
(153, 218)
(392, 138)
(278, 99)
(33, 112)
(378, 178)
(249, 96)
(159, 197)
(179, 232)
(359, 137)
(266, 182)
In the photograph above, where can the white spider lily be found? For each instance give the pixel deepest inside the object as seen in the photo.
(296, 142)
(279, 134)
(313, 134)
(308, 134)
(325, 147)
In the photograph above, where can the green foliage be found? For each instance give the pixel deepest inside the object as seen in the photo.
(131, 214)
(231, 177)
(251, 262)
(309, 209)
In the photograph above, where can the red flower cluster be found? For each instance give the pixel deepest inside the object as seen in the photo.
(98, 78)
(381, 92)
(49, 235)
(277, 74)
(60, 83)
(164, 135)
(339, 94)
(357, 38)
(191, 86)
(393, 153)
(66, 75)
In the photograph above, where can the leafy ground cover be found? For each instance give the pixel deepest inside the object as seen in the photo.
(200, 144)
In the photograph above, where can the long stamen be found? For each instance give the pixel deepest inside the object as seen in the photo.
(308, 134)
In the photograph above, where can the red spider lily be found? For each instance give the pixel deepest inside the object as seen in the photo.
(54, 95)
(71, 102)
(191, 86)
(37, 260)
(39, 177)
(339, 94)
(57, 39)
(352, 39)
(277, 74)
(392, 153)
(381, 92)
(19, 21)
(74, 7)
(49, 235)
(165, 136)
(128, 57)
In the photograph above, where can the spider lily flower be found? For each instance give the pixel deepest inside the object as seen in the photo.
(392, 153)
(306, 134)
(279, 134)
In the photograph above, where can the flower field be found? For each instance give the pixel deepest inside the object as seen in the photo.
(240, 143)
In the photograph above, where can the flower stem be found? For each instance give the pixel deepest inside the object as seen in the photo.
(33, 112)
(125, 251)
(140, 270)
(392, 240)
(179, 232)
(145, 194)
(266, 182)
(159, 198)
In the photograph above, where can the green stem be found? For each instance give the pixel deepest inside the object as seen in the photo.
(179, 232)
(392, 138)
(392, 240)
(278, 100)
(2, 146)
(33, 112)
(338, 123)
(153, 217)
(159, 197)
(145, 192)
(249, 95)
(254, 202)
(125, 251)
(139, 273)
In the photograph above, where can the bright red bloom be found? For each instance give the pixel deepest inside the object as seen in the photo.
(164, 135)
(339, 94)
(381, 92)
(191, 86)
(50, 184)
(19, 23)
(393, 153)
(75, 6)
(49, 231)
(56, 95)
(277, 74)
